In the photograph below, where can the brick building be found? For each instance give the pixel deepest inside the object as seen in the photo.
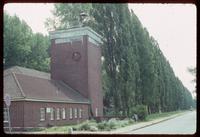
(71, 93)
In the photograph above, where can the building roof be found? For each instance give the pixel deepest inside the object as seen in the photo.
(27, 71)
(68, 35)
(28, 84)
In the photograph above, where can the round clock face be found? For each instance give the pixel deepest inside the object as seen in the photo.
(76, 56)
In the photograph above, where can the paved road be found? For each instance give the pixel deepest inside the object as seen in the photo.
(184, 124)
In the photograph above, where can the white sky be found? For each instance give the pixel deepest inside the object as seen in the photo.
(34, 14)
(172, 25)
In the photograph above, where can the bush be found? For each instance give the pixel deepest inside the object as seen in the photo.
(88, 125)
(107, 125)
(112, 123)
(104, 125)
(101, 125)
(141, 111)
(75, 128)
(93, 128)
(85, 126)
(123, 123)
(130, 121)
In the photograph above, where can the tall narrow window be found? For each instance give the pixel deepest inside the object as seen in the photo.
(42, 114)
(52, 114)
(75, 112)
(58, 114)
(5, 113)
(80, 113)
(63, 113)
(96, 112)
(70, 113)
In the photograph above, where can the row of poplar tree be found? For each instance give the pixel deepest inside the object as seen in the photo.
(134, 69)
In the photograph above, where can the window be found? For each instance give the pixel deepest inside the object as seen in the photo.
(58, 114)
(5, 113)
(42, 114)
(80, 113)
(63, 113)
(52, 114)
(70, 113)
(96, 112)
(75, 112)
(48, 110)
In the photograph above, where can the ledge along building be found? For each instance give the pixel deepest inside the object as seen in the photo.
(71, 93)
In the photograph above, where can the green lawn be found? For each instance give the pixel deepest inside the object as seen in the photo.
(160, 115)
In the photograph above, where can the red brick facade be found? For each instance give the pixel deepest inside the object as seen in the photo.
(63, 67)
(27, 114)
(94, 79)
(17, 114)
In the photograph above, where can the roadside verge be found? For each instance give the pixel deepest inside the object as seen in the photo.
(134, 127)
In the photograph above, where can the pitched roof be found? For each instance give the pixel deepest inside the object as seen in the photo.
(27, 71)
(29, 84)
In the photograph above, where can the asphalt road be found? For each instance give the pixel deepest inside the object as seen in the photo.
(184, 124)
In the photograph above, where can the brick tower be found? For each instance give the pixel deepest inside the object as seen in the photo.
(76, 60)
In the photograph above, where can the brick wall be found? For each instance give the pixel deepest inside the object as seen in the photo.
(16, 114)
(63, 67)
(31, 115)
(94, 78)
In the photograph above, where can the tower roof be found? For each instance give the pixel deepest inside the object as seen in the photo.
(62, 36)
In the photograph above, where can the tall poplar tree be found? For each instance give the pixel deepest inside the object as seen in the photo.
(135, 71)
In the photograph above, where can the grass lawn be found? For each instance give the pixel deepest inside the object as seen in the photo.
(161, 115)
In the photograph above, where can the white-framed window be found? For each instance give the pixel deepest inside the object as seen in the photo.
(58, 114)
(48, 110)
(80, 113)
(51, 114)
(96, 112)
(75, 112)
(70, 113)
(5, 114)
(42, 114)
(63, 113)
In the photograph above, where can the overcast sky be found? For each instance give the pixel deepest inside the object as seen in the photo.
(172, 25)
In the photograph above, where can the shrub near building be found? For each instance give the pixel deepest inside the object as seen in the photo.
(141, 111)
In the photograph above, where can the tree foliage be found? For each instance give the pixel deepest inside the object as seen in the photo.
(66, 15)
(22, 47)
(17, 40)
